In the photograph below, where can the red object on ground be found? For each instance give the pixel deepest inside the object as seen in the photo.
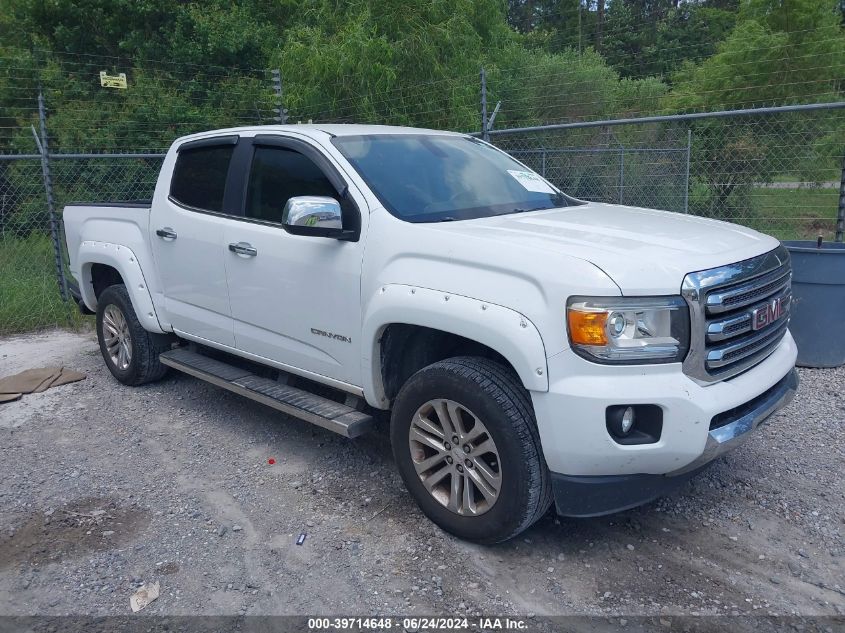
(271, 461)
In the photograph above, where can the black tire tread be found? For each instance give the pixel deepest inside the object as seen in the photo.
(503, 385)
(509, 383)
(146, 345)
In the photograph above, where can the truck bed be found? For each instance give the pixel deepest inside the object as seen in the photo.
(125, 223)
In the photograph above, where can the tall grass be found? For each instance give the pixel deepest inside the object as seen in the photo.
(29, 291)
(793, 214)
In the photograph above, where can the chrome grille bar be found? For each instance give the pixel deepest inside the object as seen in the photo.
(727, 354)
(748, 293)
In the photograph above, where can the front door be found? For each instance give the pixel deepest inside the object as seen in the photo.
(295, 299)
(186, 233)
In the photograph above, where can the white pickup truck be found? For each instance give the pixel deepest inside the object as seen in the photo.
(532, 348)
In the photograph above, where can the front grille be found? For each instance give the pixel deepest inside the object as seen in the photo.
(739, 314)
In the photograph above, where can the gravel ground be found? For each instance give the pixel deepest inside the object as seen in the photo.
(104, 487)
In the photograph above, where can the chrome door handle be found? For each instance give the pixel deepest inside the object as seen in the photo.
(243, 248)
(166, 233)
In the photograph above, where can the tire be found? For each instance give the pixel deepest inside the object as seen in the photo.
(484, 391)
(138, 362)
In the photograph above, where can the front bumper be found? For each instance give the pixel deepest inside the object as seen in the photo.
(585, 496)
(571, 414)
(734, 427)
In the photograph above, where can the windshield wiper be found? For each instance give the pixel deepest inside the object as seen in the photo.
(518, 210)
(521, 210)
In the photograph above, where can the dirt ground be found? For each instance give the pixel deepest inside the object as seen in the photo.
(105, 487)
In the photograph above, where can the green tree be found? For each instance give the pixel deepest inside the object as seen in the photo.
(557, 20)
(663, 40)
(211, 33)
(200, 79)
(391, 61)
(779, 53)
(536, 87)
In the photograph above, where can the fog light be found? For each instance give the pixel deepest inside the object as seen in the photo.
(634, 423)
(627, 420)
(620, 420)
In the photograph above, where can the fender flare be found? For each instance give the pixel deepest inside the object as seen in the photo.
(122, 259)
(506, 331)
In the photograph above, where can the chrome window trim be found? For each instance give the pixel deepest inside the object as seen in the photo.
(694, 290)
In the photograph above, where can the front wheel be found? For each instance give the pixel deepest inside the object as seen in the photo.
(466, 444)
(131, 353)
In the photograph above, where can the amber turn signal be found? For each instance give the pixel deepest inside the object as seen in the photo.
(587, 328)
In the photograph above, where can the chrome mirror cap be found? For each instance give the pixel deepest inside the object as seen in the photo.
(319, 212)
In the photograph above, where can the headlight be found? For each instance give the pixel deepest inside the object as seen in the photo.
(629, 330)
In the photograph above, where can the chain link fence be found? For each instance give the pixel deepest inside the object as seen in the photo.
(29, 294)
(33, 290)
(778, 170)
(609, 164)
(68, 134)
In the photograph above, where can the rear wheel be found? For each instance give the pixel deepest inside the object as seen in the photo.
(130, 352)
(466, 444)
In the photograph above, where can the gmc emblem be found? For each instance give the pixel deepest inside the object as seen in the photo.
(767, 314)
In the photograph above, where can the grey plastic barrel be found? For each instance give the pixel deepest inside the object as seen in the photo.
(818, 302)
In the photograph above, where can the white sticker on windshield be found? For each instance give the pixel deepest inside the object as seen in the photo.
(531, 181)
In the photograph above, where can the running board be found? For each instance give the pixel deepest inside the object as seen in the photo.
(298, 403)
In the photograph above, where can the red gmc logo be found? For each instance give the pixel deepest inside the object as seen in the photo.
(767, 314)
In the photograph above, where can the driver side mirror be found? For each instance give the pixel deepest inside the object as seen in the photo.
(317, 216)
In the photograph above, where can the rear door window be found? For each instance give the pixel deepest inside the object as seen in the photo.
(199, 177)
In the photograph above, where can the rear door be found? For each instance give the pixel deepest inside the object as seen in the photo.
(187, 233)
(296, 299)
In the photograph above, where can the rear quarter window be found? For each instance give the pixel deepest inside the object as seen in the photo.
(199, 177)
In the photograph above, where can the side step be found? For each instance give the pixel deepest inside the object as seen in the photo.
(301, 404)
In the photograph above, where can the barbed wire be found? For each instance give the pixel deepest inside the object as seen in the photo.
(589, 32)
(247, 102)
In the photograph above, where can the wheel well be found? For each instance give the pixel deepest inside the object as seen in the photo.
(405, 349)
(103, 276)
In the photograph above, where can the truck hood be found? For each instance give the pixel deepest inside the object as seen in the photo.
(644, 251)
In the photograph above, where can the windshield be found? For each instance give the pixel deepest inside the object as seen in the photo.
(431, 178)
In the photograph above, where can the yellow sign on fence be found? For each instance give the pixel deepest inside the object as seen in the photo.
(112, 81)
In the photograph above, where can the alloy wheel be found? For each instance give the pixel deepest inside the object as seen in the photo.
(455, 457)
(116, 337)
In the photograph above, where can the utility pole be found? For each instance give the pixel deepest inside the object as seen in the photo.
(579, 27)
(599, 22)
(485, 134)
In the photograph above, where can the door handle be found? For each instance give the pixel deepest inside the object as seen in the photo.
(166, 233)
(243, 248)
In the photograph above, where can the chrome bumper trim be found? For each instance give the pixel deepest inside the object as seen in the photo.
(727, 437)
